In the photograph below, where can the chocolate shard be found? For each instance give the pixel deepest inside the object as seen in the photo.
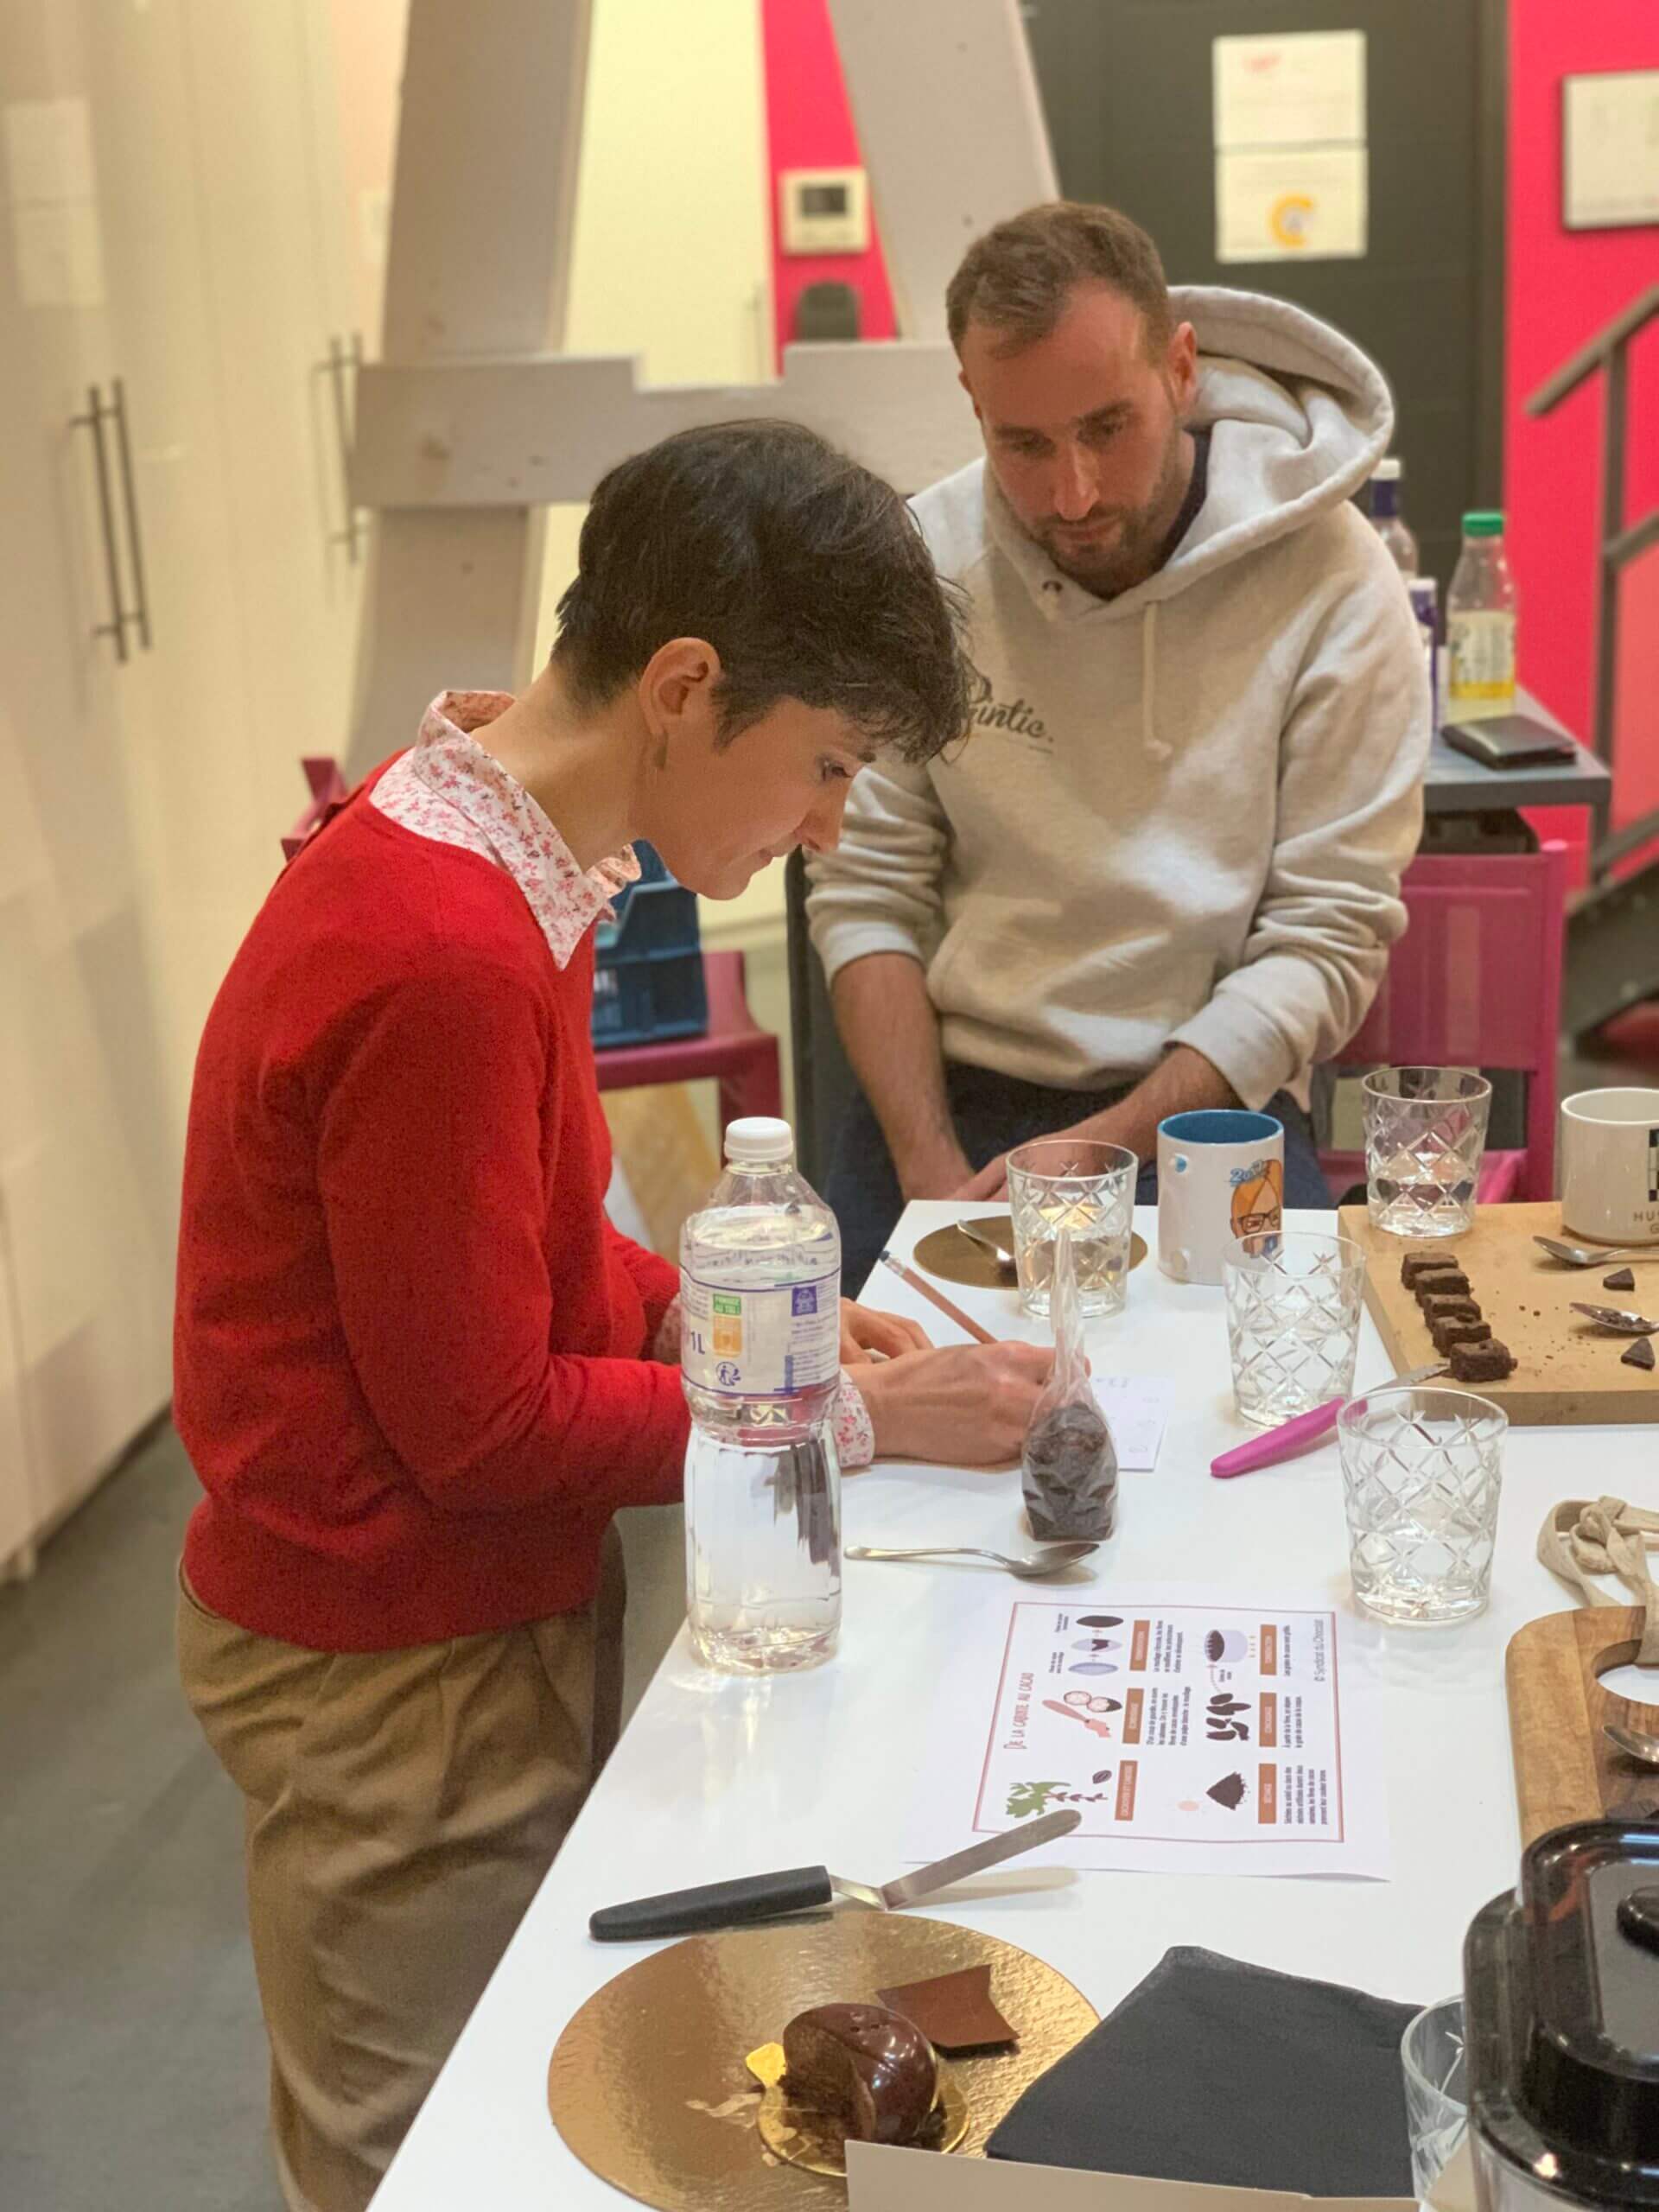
(954, 2010)
(1640, 1354)
(1620, 1279)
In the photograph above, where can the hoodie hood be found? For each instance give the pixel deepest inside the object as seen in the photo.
(1299, 418)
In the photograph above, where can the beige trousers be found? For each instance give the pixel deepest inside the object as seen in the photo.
(402, 1808)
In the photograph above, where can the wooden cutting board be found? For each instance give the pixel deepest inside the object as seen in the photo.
(1565, 1768)
(1568, 1369)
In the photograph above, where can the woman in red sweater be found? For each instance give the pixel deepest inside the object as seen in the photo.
(416, 1369)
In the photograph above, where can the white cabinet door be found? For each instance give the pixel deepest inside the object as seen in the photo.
(272, 223)
(85, 1225)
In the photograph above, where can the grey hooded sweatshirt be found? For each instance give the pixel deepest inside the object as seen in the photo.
(1180, 815)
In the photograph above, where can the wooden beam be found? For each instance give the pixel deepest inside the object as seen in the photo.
(494, 435)
(950, 125)
(478, 262)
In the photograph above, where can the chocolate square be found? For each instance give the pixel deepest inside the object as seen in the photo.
(1447, 1333)
(1484, 1362)
(1417, 1264)
(1442, 1282)
(1460, 1307)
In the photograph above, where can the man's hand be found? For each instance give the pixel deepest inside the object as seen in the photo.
(966, 1406)
(936, 1173)
(1114, 1126)
(865, 1332)
(1182, 1083)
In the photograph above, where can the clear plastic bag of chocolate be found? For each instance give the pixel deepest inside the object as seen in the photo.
(1070, 1463)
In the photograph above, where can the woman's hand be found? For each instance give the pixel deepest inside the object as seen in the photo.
(966, 1406)
(864, 1331)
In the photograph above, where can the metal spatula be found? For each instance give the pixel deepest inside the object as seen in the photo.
(809, 1888)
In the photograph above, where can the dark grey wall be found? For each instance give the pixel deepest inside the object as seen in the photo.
(1126, 88)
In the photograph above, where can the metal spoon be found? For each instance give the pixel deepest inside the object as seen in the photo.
(1632, 1742)
(1586, 1255)
(1616, 1318)
(980, 1232)
(1035, 1567)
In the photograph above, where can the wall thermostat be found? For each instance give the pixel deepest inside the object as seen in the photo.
(823, 210)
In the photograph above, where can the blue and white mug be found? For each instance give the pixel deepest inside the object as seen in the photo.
(1221, 1175)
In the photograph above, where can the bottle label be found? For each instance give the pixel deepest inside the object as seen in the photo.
(760, 1344)
(1481, 651)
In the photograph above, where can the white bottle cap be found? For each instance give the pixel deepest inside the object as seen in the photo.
(1386, 472)
(760, 1139)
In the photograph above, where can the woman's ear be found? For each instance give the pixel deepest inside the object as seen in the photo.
(676, 696)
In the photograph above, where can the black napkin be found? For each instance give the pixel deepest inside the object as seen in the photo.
(1214, 2071)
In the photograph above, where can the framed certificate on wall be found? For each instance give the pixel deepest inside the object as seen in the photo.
(1610, 149)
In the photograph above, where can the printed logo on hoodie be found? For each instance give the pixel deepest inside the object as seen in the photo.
(1018, 716)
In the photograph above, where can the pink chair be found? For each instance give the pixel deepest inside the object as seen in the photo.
(740, 1056)
(1476, 983)
(328, 791)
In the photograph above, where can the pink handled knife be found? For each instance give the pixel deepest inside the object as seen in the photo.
(1293, 1436)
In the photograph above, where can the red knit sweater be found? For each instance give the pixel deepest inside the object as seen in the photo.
(408, 1343)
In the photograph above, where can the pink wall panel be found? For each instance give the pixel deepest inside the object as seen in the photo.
(808, 125)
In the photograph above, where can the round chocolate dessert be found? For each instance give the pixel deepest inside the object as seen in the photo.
(863, 2065)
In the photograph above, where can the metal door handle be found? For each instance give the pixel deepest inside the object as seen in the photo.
(92, 420)
(135, 546)
(344, 355)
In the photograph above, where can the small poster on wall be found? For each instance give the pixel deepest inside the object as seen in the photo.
(1297, 203)
(1292, 163)
(1610, 149)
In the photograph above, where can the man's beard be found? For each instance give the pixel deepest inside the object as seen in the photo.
(1130, 556)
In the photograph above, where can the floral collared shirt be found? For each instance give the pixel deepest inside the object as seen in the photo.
(449, 787)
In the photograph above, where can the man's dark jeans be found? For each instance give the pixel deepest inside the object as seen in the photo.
(993, 1113)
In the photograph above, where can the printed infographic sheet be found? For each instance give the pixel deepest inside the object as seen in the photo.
(1194, 1735)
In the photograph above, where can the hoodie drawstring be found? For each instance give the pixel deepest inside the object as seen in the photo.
(1150, 740)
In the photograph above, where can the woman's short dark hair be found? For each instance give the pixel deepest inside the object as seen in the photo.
(807, 574)
(1018, 278)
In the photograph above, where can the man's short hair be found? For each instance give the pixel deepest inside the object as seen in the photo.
(1019, 276)
(807, 574)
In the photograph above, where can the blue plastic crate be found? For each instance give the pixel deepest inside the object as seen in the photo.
(648, 980)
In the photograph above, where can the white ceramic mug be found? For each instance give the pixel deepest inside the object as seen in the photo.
(1221, 1175)
(1610, 1165)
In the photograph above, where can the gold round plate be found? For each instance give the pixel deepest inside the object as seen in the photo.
(956, 1258)
(648, 2085)
(811, 2139)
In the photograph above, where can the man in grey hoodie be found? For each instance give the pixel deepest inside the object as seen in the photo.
(1163, 871)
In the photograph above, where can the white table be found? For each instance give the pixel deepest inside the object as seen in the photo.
(718, 1777)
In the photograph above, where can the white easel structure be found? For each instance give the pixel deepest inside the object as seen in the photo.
(469, 425)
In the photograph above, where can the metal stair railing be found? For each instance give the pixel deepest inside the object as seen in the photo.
(1621, 542)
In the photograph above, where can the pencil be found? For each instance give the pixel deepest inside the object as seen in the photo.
(938, 1298)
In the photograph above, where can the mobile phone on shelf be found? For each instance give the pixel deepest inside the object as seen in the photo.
(1508, 741)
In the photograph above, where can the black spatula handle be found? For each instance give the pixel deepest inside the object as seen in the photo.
(717, 1904)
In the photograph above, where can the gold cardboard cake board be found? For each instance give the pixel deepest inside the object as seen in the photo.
(956, 1258)
(648, 2084)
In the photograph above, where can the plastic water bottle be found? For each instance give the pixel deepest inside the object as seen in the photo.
(1481, 608)
(760, 1295)
(1387, 518)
